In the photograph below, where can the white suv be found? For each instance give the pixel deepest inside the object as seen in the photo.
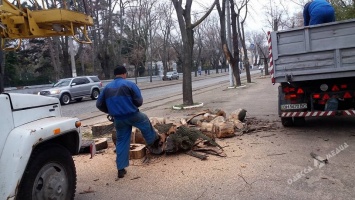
(74, 89)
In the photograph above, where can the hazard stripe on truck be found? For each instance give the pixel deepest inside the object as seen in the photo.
(318, 113)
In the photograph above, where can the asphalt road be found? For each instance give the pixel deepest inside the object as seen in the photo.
(267, 162)
(150, 91)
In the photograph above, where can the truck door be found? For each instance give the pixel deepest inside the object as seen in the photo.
(6, 120)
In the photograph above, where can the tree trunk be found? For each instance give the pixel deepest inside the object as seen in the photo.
(65, 61)
(54, 56)
(235, 58)
(188, 65)
(187, 35)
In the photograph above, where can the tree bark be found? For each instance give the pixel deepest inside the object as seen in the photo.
(235, 58)
(187, 34)
(232, 59)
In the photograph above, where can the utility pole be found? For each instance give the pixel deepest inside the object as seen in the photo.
(229, 43)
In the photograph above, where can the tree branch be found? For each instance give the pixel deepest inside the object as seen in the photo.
(203, 17)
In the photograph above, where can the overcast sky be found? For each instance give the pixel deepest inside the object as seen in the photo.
(256, 18)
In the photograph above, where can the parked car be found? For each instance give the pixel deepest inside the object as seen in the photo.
(171, 75)
(74, 89)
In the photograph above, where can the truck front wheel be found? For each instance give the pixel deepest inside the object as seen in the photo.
(50, 174)
(287, 121)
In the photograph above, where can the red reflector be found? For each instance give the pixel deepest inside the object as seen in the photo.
(347, 95)
(316, 96)
(335, 88)
(300, 91)
(343, 86)
(322, 102)
(326, 97)
(286, 90)
(292, 96)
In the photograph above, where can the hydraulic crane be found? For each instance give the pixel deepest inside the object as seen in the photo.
(46, 18)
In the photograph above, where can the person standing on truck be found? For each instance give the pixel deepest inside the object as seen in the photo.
(318, 12)
(121, 99)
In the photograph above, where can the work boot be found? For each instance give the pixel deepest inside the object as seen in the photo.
(155, 147)
(121, 173)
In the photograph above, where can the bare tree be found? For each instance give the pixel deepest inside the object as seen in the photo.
(187, 34)
(259, 39)
(165, 26)
(232, 55)
(241, 23)
(212, 47)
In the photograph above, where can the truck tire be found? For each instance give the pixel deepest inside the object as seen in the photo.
(50, 174)
(299, 121)
(65, 99)
(95, 94)
(286, 121)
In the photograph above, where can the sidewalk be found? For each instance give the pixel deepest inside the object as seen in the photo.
(259, 164)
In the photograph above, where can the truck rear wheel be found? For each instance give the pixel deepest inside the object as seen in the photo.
(299, 121)
(50, 174)
(287, 121)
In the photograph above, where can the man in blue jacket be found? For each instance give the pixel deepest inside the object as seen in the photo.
(121, 99)
(318, 12)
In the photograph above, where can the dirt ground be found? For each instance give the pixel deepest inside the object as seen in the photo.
(270, 163)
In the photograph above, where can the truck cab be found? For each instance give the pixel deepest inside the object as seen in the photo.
(36, 148)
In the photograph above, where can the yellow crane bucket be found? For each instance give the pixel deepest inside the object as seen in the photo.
(17, 22)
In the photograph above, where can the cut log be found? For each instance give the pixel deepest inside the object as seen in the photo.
(207, 127)
(157, 120)
(101, 129)
(209, 117)
(224, 130)
(238, 114)
(101, 143)
(238, 124)
(137, 151)
(137, 136)
(218, 119)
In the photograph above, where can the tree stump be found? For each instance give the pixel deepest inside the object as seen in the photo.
(207, 127)
(101, 129)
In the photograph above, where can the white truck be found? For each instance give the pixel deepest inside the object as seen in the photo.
(315, 67)
(36, 148)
